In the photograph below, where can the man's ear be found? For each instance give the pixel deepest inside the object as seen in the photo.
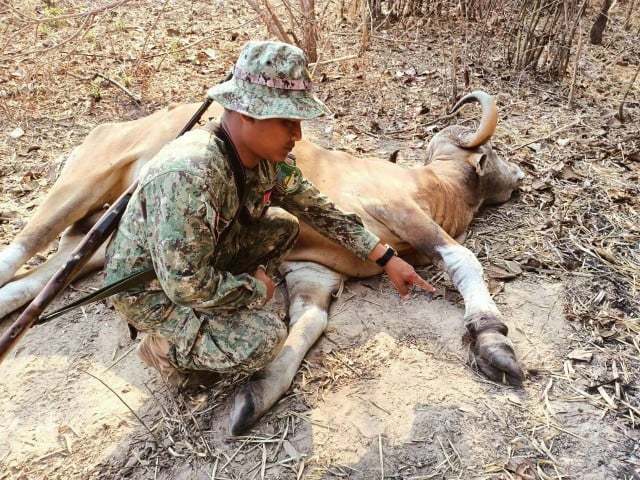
(247, 118)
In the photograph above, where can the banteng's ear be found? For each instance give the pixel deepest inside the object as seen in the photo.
(479, 161)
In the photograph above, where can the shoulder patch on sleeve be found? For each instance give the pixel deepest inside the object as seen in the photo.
(288, 177)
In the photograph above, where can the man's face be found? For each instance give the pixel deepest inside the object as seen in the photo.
(273, 138)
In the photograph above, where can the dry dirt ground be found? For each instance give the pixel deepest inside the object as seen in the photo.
(386, 392)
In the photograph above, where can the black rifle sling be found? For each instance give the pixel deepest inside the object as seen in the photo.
(148, 274)
(121, 285)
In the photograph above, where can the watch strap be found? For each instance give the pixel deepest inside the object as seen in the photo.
(384, 259)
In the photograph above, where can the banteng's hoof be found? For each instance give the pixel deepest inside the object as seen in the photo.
(491, 351)
(245, 411)
(492, 354)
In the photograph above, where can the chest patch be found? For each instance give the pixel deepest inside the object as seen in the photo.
(266, 199)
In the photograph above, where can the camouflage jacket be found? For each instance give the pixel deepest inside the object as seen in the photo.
(186, 198)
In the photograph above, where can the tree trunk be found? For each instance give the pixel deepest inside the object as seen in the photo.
(309, 31)
(600, 23)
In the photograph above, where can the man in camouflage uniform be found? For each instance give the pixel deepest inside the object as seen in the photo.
(207, 245)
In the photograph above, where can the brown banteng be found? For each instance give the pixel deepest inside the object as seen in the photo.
(420, 211)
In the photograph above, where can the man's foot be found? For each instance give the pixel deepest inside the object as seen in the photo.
(154, 351)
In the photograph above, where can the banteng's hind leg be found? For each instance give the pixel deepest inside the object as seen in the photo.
(25, 286)
(310, 287)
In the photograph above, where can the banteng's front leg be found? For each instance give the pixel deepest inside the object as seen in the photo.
(310, 287)
(490, 350)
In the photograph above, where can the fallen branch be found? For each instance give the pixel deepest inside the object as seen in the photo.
(86, 23)
(620, 114)
(334, 60)
(110, 80)
(572, 124)
(142, 422)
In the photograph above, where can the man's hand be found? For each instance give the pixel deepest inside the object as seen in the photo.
(402, 276)
(261, 275)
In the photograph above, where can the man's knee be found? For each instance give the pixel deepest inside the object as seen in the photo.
(265, 340)
(282, 223)
(270, 351)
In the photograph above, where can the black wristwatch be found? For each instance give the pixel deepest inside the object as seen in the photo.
(384, 259)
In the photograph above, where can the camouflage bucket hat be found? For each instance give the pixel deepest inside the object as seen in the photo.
(270, 80)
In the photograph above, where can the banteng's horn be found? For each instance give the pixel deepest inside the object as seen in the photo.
(488, 122)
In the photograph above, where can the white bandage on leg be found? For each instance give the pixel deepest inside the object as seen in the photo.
(465, 272)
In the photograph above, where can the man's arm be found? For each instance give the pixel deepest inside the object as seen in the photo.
(347, 229)
(317, 210)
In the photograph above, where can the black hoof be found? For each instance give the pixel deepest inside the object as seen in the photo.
(243, 414)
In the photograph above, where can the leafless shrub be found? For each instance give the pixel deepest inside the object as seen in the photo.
(539, 34)
(301, 18)
(542, 37)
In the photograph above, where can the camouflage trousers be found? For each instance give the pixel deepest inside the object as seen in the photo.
(220, 340)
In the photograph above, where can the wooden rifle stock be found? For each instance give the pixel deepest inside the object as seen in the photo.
(65, 275)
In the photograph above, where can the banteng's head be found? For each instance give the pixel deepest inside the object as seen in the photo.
(494, 178)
